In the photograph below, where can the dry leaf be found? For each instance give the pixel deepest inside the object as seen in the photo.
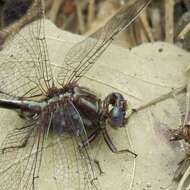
(142, 74)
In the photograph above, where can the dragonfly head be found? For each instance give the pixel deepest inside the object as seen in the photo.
(116, 117)
(116, 107)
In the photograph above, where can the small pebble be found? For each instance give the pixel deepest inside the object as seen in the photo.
(148, 185)
(160, 50)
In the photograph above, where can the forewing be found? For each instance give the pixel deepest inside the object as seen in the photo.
(82, 56)
(73, 166)
(20, 157)
(24, 63)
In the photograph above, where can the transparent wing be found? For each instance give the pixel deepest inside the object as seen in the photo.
(24, 63)
(20, 157)
(73, 167)
(82, 56)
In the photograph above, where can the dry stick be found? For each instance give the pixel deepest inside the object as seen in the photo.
(188, 187)
(155, 17)
(80, 17)
(183, 180)
(54, 10)
(138, 32)
(180, 171)
(187, 97)
(169, 21)
(70, 19)
(186, 119)
(91, 12)
(30, 16)
(160, 99)
(146, 27)
(130, 37)
(48, 4)
(187, 4)
(184, 32)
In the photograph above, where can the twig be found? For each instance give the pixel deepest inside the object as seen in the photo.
(162, 98)
(146, 27)
(155, 16)
(138, 33)
(169, 21)
(91, 12)
(159, 99)
(80, 17)
(184, 32)
(55, 9)
(183, 166)
(71, 17)
(184, 178)
(188, 187)
(187, 4)
(30, 16)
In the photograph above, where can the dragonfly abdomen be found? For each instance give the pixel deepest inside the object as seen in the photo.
(24, 105)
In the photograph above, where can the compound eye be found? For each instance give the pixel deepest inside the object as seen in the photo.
(116, 117)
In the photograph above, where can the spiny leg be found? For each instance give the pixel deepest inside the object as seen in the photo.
(112, 147)
(89, 140)
(25, 115)
(99, 167)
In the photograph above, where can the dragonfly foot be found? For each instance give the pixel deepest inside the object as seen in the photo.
(126, 150)
(98, 166)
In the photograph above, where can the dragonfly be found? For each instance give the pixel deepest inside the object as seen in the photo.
(55, 105)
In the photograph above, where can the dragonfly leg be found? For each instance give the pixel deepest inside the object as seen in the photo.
(24, 127)
(112, 147)
(99, 167)
(90, 139)
(24, 115)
